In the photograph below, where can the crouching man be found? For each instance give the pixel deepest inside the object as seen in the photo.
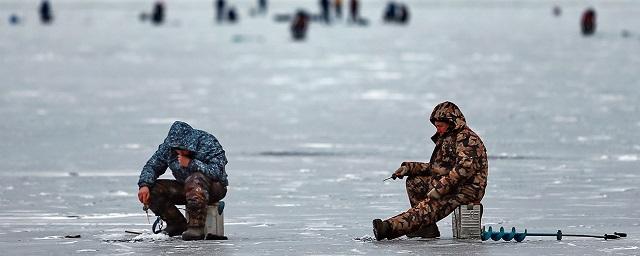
(197, 162)
(455, 175)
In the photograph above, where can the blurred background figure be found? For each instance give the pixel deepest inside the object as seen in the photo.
(143, 17)
(46, 14)
(354, 9)
(300, 25)
(389, 12)
(262, 6)
(396, 13)
(232, 15)
(588, 22)
(14, 19)
(157, 15)
(324, 10)
(403, 15)
(557, 11)
(337, 5)
(220, 9)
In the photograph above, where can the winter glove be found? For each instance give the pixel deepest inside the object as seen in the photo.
(400, 173)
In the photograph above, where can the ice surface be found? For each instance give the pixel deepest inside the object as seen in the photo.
(312, 128)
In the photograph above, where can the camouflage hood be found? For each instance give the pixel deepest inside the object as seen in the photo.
(450, 113)
(181, 136)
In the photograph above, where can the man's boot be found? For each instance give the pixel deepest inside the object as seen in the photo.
(381, 229)
(176, 223)
(429, 231)
(195, 228)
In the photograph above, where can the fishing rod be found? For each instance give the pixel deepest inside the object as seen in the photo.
(393, 176)
(519, 237)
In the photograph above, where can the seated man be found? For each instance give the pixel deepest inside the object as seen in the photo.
(197, 161)
(456, 175)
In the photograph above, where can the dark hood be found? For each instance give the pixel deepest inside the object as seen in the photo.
(450, 113)
(181, 136)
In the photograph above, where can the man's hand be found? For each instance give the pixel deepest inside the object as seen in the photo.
(400, 173)
(143, 195)
(184, 161)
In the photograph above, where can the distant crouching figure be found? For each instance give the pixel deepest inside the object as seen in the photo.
(46, 14)
(588, 22)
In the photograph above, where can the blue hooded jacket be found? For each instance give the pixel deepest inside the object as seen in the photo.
(207, 156)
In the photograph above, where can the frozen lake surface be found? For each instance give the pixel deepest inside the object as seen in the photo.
(312, 128)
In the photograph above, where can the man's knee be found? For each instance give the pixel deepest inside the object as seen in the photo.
(218, 191)
(196, 177)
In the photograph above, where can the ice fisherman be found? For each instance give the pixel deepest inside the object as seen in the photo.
(197, 161)
(588, 22)
(220, 9)
(299, 25)
(157, 14)
(46, 12)
(354, 10)
(455, 175)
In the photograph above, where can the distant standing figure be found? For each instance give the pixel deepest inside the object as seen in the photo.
(299, 25)
(232, 15)
(588, 22)
(46, 14)
(157, 15)
(220, 11)
(262, 6)
(390, 12)
(557, 11)
(403, 14)
(14, 19)
(324, 10)
(354, 8)
(337, 4)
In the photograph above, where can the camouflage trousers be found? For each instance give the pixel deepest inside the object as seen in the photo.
(424, 211)
(196, 193)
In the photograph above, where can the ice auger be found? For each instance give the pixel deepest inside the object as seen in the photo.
(519, 237)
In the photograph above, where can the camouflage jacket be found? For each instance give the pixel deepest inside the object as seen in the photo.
(208, 156)
(459, 161)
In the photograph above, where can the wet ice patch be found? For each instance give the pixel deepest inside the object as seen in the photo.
(382, 95)
(323, 226)
(593, 138)
(318, 145)
(112, 237)
(348, 177)
(166, 120)
(131, 146)
(615, 249)
(565, 119)
(628, 158)
(118, 193)
(48, 238)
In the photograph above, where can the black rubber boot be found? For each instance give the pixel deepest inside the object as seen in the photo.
(175, 229)
(193, 233)
(381, 229)
(430, 231)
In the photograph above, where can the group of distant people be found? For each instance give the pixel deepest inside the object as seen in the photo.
(396, 13)
(229, 13)
(326, 9)
(393, 13)
(44, 10)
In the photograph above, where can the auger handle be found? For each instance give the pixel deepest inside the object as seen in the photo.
(620, 234)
